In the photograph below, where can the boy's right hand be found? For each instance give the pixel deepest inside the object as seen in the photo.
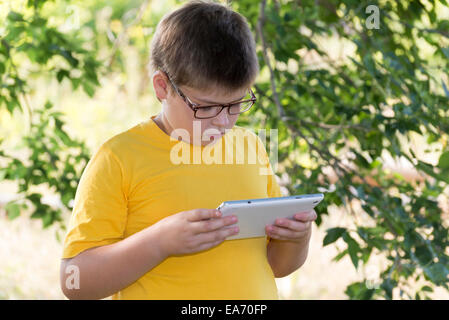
(194, 230)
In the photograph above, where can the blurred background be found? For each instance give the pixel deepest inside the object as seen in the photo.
(350, 97)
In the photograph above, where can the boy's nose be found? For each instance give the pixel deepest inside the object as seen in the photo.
(222, 119)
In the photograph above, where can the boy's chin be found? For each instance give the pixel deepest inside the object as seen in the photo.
(206, 140)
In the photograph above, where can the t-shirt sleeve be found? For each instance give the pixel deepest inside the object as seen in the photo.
(99, 214)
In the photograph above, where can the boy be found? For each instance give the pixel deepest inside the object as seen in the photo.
(143, 224)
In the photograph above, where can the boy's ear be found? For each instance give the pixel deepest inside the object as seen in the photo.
(160, 85)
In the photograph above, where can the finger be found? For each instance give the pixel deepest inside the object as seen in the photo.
(274, 232)
(213, 224)
(276, 237)
(218, 235)
(292, 224)
(201, 214)
(306, 216)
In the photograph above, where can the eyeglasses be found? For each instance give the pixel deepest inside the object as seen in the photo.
(211, 111)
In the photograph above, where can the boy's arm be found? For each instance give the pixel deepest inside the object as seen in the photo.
(110, 268)
(107, 269)
(286, 257)
(289, 243)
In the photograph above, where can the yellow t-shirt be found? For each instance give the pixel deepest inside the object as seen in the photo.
(136, 179)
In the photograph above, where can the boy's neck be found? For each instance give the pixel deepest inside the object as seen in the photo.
(160, 124)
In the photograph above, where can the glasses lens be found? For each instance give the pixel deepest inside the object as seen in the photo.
(210, 112)
(207, 112)
(241, 107)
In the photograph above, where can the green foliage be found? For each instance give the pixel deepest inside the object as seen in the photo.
(27, 36)
(346, 112)
(56, 160)
(333, 235)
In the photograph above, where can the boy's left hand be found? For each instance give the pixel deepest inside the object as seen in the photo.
(292, 230)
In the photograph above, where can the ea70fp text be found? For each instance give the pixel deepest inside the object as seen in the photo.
(234, 309)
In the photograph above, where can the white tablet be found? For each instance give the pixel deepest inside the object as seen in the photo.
(254, 214)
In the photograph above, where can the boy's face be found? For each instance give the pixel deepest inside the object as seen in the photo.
(176, 114)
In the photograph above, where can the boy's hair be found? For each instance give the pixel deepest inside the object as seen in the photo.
(205, 45)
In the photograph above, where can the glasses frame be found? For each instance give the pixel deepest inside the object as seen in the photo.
(195, 106)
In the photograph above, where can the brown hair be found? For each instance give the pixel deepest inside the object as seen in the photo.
(205, 45)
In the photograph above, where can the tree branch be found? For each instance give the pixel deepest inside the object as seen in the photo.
(122, 34)
(260, 24)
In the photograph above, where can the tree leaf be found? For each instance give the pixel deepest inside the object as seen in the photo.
(353, 249)
(15, 16)
(13, 210)
(332, 235)
(443, 162)
(437, 273)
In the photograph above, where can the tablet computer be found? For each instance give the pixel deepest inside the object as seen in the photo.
(254, 214)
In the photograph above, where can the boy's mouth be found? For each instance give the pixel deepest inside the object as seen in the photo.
(215, 136)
